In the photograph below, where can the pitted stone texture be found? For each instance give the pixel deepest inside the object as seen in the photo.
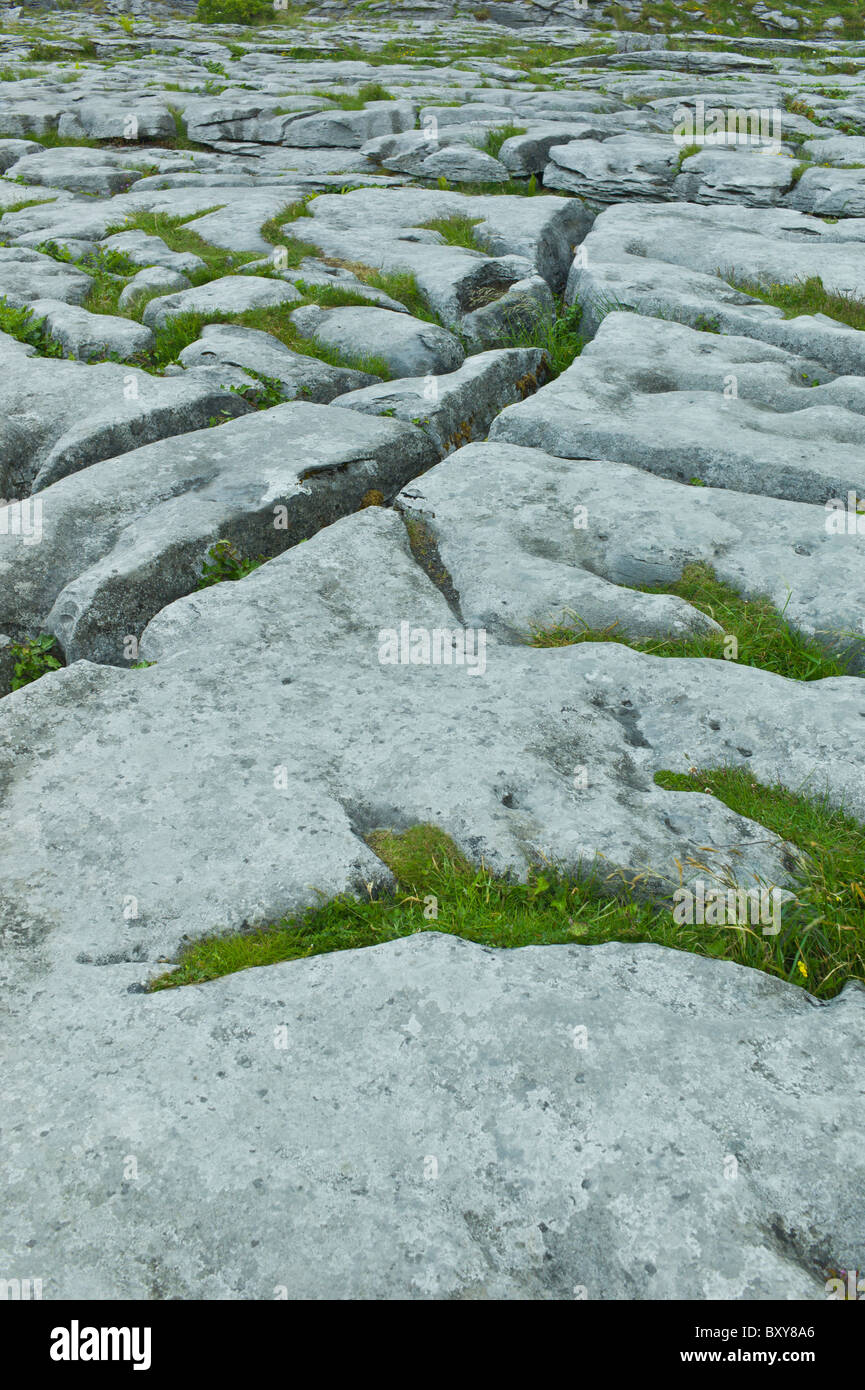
(529, 153)
(461, 163)
(76, 170)
(380, 227)
(745, 178)
(835, 149)
(560, 1173)
(107, 119)
(12, 195)
(26, 275)
(530, 540)
(148, 251)
(830, 192)
(152, 278)
(731, 412)
(13, 150)
(234, 225)
(349, 128)
(625, 166)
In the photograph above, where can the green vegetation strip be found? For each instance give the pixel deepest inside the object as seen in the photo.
(762, 635)
(111, 272)
(804, 296)
(821, 943)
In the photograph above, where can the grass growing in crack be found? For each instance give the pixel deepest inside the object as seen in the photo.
(400, 285)
(370, 91)
(179, 332)
(178, 237)
(110, 271)
(804, 296)
(457, 230)
(522, 188)
(687, 151)
(558, 336)
(273, 230)
(821, 943)
(492, 142)
(109, 268)
(471, 903)
(27, 203)
(51, 141)
(333, 296)
(763, 637)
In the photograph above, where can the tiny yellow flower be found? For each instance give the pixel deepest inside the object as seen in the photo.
(803, 969)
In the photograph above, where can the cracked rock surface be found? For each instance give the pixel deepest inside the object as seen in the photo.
(487, 334)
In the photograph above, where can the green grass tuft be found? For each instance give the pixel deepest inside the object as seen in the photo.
(457, 230)
(558, 335)
(763, 637)
(804, 296)
(492, 142)
(20, 323)
(370, 91)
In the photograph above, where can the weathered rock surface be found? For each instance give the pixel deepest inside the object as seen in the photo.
(231, 294)
(830, 192)
(148, 251)
(152, 278)
(730, 176)
(625, 166)
(408, 345)
(468, 1059)
(379, 227)
(26, 275)
(497, 751)
(663, 260)
(460, 406)
(123, 538)
(729, 411)
(84, 335)
(529, 540)
(265, 355)
(58, 417)
(349, 128)
(236, 779)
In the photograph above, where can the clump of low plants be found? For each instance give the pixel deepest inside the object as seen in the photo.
(224, 561)
(33, 658)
